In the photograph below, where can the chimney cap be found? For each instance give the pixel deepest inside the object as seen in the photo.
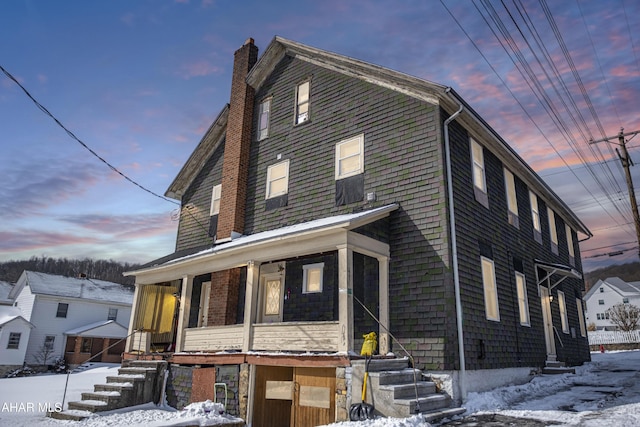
(249, 41)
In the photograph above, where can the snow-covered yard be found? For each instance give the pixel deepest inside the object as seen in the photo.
(605, 392)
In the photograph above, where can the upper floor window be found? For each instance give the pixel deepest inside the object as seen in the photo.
(62, 309)
(563, 312)
(312, 278)
(601, 289)
(350, 157)
(512, 201)
(263, 119)
(583, 329)
(572, 256)
(14, 340)
(277, 179)
(302, 102)
(479, 179)
(490, 289)
(553, 233)
(535, 217)
(113, 314)
(625, 300)
(523, 303)
(600, 302)
(49, 340)
(215, 200)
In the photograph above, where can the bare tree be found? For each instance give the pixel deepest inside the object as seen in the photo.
(624, 316)
(43, 354)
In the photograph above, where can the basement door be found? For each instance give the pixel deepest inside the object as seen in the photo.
(545, 300)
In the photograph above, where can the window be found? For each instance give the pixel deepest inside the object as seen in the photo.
(312, 278)
(272, 297)
(523, 304)
(302, 103)
(535, 217)
(113, 314)
(625, 300)
(552, 230)
(490, 291)
(601, 302)
(606, 315)
(48, 342)
(263, 119)
(277, 179)
(601, 289)
(215, 200)
(572, 257)
(512, 201)
(62, 309)
(350, 157)
(563, 312)
(14, 341)
(583, 329)
(598, 316)
(477, 158)
(85, 347)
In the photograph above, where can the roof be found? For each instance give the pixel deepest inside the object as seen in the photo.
(617, 285)
(102, 329)
(346, 221)
(8, 314)
(424, 90)
(5, 289)
(73, 287)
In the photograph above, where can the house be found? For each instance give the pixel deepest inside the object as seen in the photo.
(604, 295)
(14, 336)
(5, 288)
(73, 317)
(331, 198)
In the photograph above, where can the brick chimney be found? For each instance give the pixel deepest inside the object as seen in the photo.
(225, 284)
(236, 148)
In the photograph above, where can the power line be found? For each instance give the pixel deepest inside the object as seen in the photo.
(73, 136)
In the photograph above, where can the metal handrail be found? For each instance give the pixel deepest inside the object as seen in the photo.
(69, 371)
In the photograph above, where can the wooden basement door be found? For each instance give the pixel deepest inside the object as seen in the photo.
(295, 397)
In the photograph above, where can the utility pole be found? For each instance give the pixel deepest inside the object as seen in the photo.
(626, 162)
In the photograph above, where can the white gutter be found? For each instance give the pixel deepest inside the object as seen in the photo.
(454, 253)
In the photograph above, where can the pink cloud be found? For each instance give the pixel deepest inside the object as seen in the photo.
(23, 239)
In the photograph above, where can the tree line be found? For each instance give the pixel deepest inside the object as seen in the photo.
(108, 270)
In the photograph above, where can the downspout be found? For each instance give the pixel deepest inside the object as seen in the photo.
(454, 252)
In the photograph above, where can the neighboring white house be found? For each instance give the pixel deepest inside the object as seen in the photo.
(14, 337)
(5, 288)
(604, 295)
(59, 306)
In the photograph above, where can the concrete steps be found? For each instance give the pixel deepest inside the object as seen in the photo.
(136, 383)
(553, 367)
(396, 390)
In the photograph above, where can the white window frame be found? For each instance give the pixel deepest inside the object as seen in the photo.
(569, 233)
(216, 194)
(491, 307)
(356, 140)
(302, 102)
(49, 343)
(271, 178)
(583, 327)
(562, 304)
(535, 212)
(477, 159)
(59, 312)
(264, 115)
(13, 342)
(111, 316)
(553, 232)
(523, 302)
(306, 275)
(512, 199)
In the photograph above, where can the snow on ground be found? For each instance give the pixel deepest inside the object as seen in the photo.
(603, 393)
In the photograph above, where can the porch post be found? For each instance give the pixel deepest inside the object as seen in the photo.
(383, 280)
(345, 298)
(250, 304)
(185, 307)
(133, 318)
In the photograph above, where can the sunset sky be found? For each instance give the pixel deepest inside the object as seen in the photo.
(139, 82)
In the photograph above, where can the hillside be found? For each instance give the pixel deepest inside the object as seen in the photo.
(110, 270)
(629, 272)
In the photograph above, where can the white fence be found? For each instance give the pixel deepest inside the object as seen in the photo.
(613, 337)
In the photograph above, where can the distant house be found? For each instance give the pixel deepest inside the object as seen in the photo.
(74, 318)
(14, 336)
(604, 295)
(5, 289)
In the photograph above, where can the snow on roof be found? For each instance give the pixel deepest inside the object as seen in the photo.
(7, 314)
(5, 288)
(83, 288)
(622, 286)
(102, 328)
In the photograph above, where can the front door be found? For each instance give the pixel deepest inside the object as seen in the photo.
(272, 298)
(545, 300)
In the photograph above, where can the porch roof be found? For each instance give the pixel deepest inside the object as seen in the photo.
(101, 329)
(282, 236)
(562, 270)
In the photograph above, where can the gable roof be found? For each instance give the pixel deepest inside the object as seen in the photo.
(617, 285)
(101, 329)
(5, 289)
(72, 287)
(9, 314)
